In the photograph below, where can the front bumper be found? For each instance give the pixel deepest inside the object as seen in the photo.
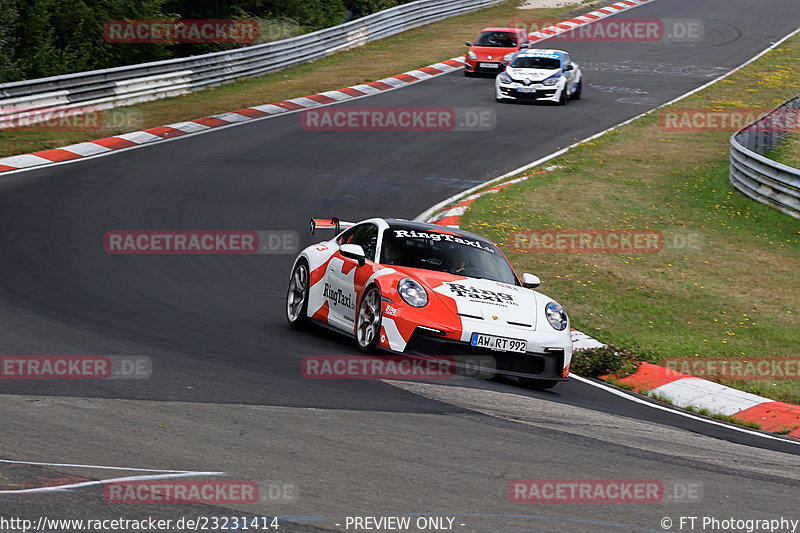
(536, 92)
(476, 66)
(545, 364)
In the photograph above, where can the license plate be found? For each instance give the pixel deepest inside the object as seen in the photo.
(488, 65)
(499, 344)
(526, 90)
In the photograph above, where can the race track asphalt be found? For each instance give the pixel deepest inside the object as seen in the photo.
(226, 383)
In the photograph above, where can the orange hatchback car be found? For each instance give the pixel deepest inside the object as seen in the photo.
(493, 49)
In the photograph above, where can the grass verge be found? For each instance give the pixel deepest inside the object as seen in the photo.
(788, 152)
(406, 51)
(734, 296)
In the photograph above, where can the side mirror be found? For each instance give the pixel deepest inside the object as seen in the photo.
(525, 45)
(468, 43)
(529, 281)
(353, 251)
(568, 67)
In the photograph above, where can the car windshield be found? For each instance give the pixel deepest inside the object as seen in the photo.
(497, 38)
(546, 63)
(445, 252)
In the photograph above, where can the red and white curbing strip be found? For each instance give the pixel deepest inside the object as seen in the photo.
(571, 24)
(451, 216)
(684, 390)
(170, 131)
(680, 389)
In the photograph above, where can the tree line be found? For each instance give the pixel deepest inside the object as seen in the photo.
(40, 38)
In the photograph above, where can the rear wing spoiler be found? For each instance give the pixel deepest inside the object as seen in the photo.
(329, 223)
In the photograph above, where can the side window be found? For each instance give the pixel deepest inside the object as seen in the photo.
(524, 36)
(566, 59)
(365, 235)
(348, 236)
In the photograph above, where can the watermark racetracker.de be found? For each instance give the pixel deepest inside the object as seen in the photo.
(751, 368)
(418, 119)
(201, 242)
(649, 491)
(693, 120)
(242, 31)
(602, 241)
(75, 367)
(400, 367)
(66, 118)
(196, 491)
(632, 30)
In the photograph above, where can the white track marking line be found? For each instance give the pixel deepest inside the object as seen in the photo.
(160, 474)
(59, 488)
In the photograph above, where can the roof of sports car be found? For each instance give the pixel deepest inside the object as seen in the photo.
(424, 226)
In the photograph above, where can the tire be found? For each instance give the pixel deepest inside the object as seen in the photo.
(576, 95)
(469, 74)
(537, 384)
(563, 99)
(297, 296)
(368, 321)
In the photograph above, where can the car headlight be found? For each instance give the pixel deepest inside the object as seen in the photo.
(472, 55)
(504, 78)
(551, 81)
(508, 56)
(556, 316)
(412, 292)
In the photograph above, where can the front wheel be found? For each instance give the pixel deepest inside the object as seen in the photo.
(368, 321)
(537, 384)
(576, 94)
(297, 297)
(563, 98)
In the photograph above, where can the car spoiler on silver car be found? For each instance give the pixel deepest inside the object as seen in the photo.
(329, 223)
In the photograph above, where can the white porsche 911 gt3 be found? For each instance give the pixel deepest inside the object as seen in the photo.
(540, 75)
(414, 288)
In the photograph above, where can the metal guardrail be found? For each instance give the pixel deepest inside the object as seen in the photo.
(759, 177)
(149, 81)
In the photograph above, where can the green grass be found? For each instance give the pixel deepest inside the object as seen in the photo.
(788, 152)
(734, 296)
(724, 418)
